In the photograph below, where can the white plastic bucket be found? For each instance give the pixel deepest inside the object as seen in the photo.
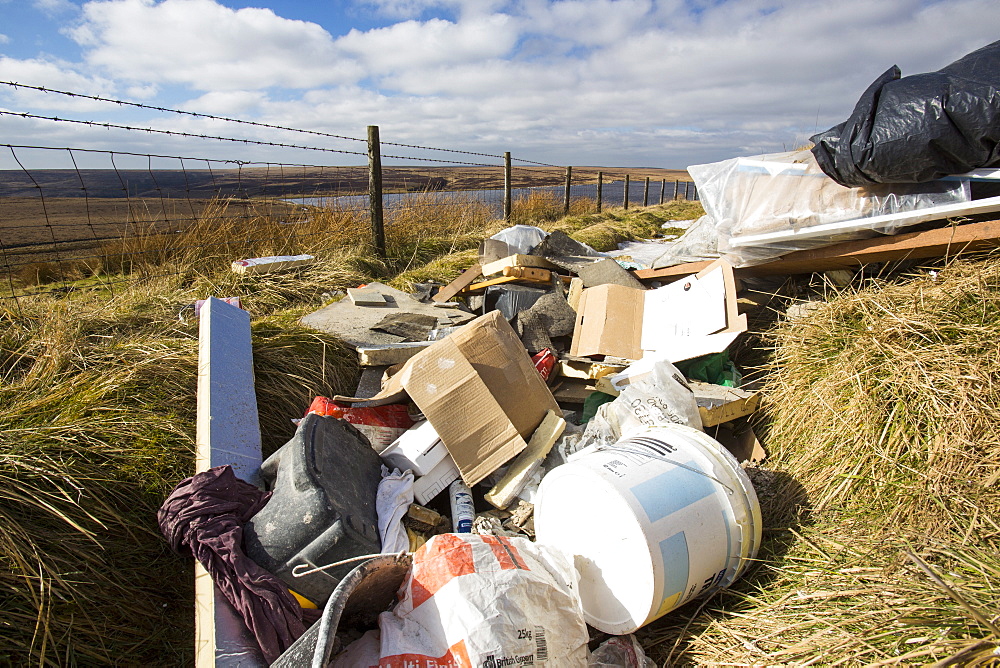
(657, 519)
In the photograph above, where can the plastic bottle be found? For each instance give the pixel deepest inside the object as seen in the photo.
(463, 511)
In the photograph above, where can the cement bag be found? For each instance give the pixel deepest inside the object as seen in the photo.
(653, 393)
(480, 601)
(921, 127)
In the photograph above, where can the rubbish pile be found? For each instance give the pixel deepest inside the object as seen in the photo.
(555, 440)
(520, 438)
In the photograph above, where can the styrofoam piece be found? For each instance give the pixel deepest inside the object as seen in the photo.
(421, 451)
(985, 205)
(264, 265)
(228, 432)
(426, 487)
(418, 449)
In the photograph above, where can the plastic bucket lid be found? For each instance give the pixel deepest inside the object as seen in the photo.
(657, 519)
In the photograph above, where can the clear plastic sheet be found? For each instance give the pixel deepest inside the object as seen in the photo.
(786, 195)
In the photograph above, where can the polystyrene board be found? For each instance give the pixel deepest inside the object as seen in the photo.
(419, 449)
(428, 486)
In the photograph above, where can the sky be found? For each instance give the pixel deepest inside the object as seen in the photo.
(624, 83)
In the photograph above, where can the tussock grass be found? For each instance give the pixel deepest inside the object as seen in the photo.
(882, 421)
(884, 428)
(97, 409)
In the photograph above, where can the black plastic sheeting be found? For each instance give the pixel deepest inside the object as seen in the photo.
(921, 127)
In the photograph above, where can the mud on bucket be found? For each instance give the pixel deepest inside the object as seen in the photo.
(653, 521)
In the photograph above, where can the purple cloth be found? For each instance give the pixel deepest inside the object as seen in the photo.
(203, 517)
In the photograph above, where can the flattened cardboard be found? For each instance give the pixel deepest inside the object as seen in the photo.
(609, 322)
(480, 391)
(694, 316)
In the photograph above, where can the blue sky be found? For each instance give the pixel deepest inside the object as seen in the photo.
(576, 82)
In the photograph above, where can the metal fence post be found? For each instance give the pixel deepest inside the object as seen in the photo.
(506, 187)
(375, 191)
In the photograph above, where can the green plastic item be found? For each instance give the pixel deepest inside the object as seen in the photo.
(715, 368)
(592, 403)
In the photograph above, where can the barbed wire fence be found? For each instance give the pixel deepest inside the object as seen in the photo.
(82, 217)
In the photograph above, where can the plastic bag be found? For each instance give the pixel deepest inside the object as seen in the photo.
(762, 208)
(920, 127)
(381, 425)
(620, 652)
(521, 239)
(480, 601)
(656, 393)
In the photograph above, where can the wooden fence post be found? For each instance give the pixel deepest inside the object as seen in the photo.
(677, 185)
(600, 190)
(506, 187)
(625, 203)
(569, 177)
(663, 189)
(375, 191)
(645, 193)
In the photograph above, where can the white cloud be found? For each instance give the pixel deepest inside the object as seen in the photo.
(413, 45)
(207, 46)
(4, 39)
(53, 74)
(650, 82)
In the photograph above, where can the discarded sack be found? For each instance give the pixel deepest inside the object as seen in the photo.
(480, 601)
(657, 397)
(920, 127)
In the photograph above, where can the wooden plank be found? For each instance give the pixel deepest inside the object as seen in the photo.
(530, 460)
(945, 241)
(456, 286)
(675, 271)
(497, 267)
(501, 280)
(941, 242)
(228, 432)
(529, 273)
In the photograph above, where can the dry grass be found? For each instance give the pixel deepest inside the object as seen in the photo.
(882, 423)
(97, 411)
(884, 428)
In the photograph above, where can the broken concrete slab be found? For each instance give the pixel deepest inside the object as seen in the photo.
(549, 317)
(410, 326)
(608, 271)
(365, 297)
(560, 244)
(353, 323)
(388, 354)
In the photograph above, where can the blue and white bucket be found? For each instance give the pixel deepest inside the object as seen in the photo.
(653, 521)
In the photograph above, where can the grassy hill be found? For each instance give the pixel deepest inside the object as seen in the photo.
(881, 418)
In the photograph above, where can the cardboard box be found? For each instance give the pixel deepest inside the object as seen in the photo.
(480, 391)
(694, 316)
